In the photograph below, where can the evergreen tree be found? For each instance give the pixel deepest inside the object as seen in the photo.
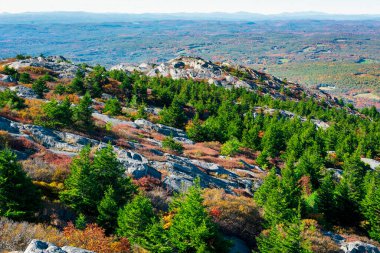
(192, 229)
(25, 78)
(79, 184)
(82, 113)
(279, 197)
(285, 238)
(77, 84)
(56, 114)
(262, 159)
(19, 198)
(9, 98)
(271, 142)
(326, 198)
(349, 191)
(310, 165)
(107, 209)
(113, 107)
(80, 222)
(135, 218)
(370, 205)
(95, 81)
(141, 112)
(174, 115)
(250, 138)
(90, 179)
(195, 130)
(126, 87)
(39, 87)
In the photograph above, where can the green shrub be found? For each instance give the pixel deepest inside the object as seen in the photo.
(11, 99)
(11, 72)
(60, 89)
(170, 144)
(230, 148)
(22, 57)
(25, 78)
(39, 87)
(113, 107)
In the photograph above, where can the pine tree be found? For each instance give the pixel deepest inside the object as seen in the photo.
(141, 112)
(195, 130)
(90, 179)
(19, 198)
(107, 209)
(262, 159)
(80, 222)
(370, 205)
(174, 115)
(113, 107)
(82, 113)
(251, 137)
(349, 191)
(56, 114)
(108, 171)
(192, 229)
(279, 197)
(326, 198)
(134, 219)
(284, 238)
(77, 84)
(310, 164)
(39, 87)
(272, 140)
(79, 184)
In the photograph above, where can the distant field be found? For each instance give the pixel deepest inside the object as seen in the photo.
(344, 76)
(261, 42)
(341, 53)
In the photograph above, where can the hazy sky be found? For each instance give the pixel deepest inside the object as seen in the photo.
(142, 6)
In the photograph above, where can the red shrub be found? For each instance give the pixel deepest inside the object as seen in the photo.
(147, 183)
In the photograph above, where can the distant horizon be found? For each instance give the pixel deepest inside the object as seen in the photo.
(198, 13)
(267, 7)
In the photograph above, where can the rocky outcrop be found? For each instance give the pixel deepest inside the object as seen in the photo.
(227, 76)
(37, 246)
(136, 165)
(352, 247)
(50, 139)
(178, 134)
(71, 144)
(359, 247)
(60, 65)
(7, 79)
(23, 91)
(181, 173)
(373, 164)
(113, 121)
(188, 68)
(288, 114)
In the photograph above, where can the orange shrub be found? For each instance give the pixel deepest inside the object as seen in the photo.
(93, 238)
(32, 110)
(236, 215)
(35, 70)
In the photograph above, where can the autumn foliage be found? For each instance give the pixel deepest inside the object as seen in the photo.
(93, 238)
